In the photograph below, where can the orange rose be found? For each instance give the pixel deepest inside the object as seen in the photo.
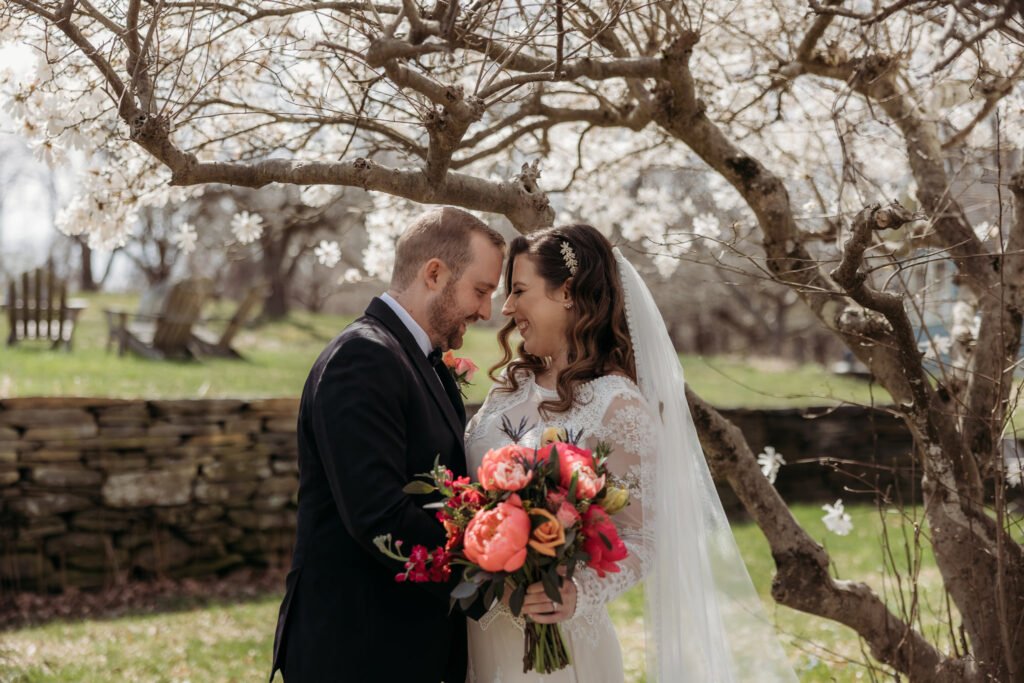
(549, 535)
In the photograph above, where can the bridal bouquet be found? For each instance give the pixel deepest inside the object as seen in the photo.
(535, 515)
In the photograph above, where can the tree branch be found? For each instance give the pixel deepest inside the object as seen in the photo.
(874, 77)
(682, 115)
(524, 205)
(803, 581)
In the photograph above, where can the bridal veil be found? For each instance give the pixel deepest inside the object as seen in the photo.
(705, 622)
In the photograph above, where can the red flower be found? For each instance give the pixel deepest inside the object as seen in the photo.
(454, 539)
(465, 495)
(419, 554)
(440, 571)
(597, 523)
(419, 575)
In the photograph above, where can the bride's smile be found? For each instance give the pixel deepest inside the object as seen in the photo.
(542, 314)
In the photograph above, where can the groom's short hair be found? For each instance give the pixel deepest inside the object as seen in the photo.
(442, 233)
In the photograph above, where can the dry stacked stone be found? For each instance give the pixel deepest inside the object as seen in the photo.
(93, 491)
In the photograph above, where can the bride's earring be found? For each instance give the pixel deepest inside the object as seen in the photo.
(568, 305)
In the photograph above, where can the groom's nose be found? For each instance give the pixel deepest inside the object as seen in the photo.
(485, 310)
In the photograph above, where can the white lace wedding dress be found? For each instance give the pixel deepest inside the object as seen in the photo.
(609, 409)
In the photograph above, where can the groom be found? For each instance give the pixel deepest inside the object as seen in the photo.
(377, 409)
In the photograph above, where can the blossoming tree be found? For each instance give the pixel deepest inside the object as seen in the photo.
(807, 117)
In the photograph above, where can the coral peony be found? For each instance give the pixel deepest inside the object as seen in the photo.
(506, 468)
(496, 539)
(575, 460)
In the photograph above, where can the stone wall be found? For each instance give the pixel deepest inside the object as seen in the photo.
(94, 491)
(848, 452)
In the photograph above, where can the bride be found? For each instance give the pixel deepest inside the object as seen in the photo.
(595, 358)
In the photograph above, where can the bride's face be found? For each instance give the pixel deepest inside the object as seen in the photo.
(540, 313)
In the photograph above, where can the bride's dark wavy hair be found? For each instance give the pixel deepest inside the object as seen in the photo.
(599, 342)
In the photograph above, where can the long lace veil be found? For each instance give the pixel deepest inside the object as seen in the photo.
(705, 622)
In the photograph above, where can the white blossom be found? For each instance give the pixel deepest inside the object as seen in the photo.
(384, 223)
(185, 238)
(319, 196)
(246, 226)
(836, 519)
(770, 461)
(966, 321)
(328, 253)
(351, 275)
(706, 225)
(666, 264)
(939, 345)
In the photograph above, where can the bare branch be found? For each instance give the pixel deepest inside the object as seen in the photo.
(680, 113)
(874, 77)
(803, 563)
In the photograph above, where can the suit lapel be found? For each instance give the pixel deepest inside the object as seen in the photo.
(382, 312)
(452, 388)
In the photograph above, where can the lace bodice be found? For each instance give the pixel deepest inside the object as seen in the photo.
(609, 409)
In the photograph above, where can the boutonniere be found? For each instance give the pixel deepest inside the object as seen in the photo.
(462, 370)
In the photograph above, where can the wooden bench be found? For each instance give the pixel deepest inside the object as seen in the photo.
(40, 309)
(167, 334)
(220, 347)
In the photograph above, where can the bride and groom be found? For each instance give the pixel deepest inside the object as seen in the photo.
(379, 406)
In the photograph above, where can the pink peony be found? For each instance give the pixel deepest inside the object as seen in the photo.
(567, 515)
(506, 468)
(556, 498)
(597, 523)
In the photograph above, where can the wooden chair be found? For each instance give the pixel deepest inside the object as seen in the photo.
(40, 310)
(203, 341)
(167, 334)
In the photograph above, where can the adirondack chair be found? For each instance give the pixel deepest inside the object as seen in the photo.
(205, 344)
(168, 334)
(40, 309)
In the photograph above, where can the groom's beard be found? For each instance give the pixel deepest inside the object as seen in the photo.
(446, 320)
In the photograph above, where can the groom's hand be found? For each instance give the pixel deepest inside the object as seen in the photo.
(543, 610)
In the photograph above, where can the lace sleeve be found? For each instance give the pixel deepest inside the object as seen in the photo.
(628, 428)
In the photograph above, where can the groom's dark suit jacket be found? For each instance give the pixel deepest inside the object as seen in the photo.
(374, 413)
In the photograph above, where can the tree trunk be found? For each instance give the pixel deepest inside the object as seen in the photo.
(87, 281)
(276, 305)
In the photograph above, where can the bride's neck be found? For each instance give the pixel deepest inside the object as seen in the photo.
(548, 377)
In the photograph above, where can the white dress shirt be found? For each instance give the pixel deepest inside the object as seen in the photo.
(418, 332)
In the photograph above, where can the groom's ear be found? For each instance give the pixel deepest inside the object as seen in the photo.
(435, 274)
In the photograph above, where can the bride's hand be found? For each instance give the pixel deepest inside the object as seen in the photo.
(541, 609)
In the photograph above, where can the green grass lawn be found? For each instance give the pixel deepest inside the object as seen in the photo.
(278, 356)
(232, 641)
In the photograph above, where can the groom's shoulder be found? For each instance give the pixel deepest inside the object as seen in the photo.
(365, 334)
